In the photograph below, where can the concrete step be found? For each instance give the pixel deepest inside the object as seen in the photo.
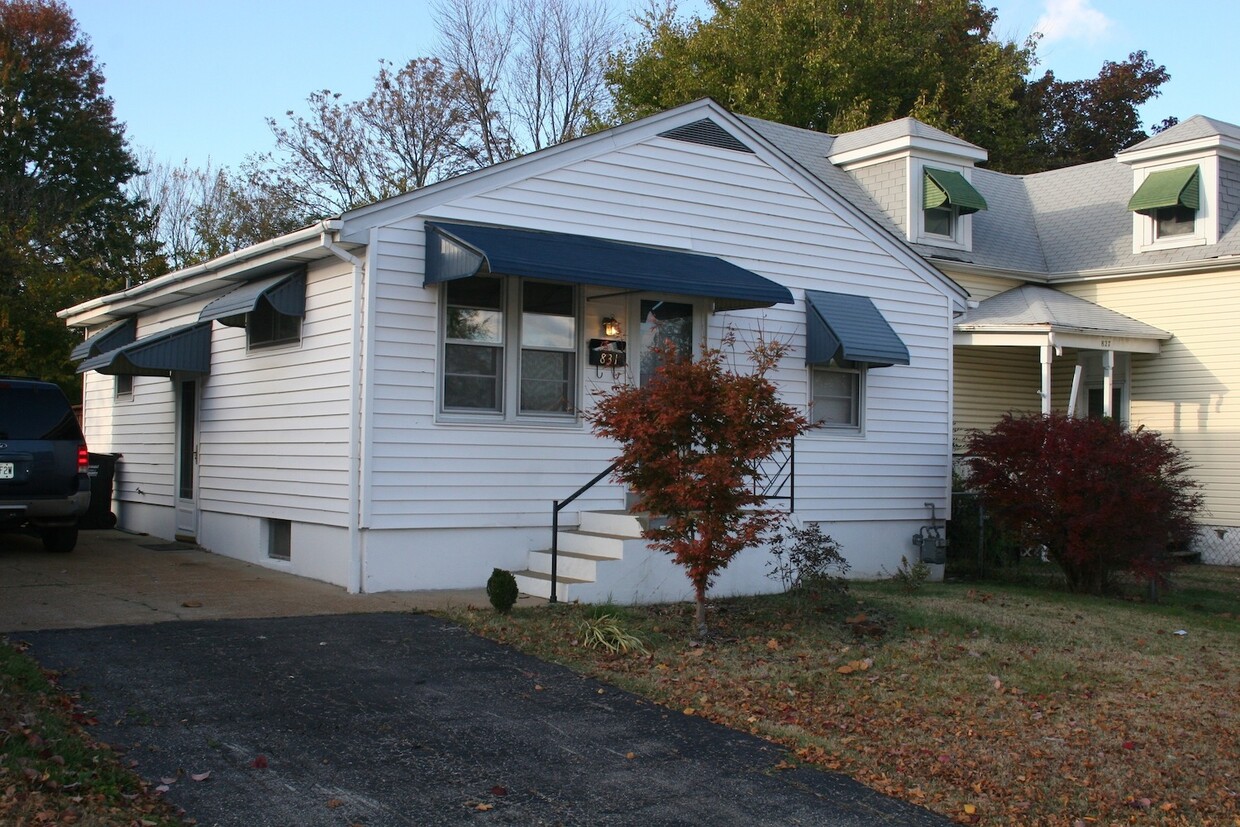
(568, 564)
(588, 542)
(538, 584)
(617, 523)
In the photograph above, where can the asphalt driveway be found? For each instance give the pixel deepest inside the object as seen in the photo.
(403, 719)
(307, 706)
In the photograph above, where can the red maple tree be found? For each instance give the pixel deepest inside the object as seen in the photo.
(692, 440)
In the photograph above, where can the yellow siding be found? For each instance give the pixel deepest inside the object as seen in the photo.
(1185, 392)
(991, 381)
(983, 287)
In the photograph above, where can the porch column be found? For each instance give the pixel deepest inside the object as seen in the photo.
(1108, 381)
(1046, 378)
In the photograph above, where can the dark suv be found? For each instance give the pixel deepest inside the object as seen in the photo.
(43, 460)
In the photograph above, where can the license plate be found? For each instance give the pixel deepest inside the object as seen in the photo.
(6, 470)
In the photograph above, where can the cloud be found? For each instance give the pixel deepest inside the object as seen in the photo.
(1072, 20)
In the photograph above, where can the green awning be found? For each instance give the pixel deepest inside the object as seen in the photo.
(1179, 187)
(942, 188)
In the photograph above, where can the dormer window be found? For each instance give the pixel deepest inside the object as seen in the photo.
(1170, 202)
(947, 196)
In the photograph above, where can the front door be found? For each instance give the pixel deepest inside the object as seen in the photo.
(187, 459)
(664, 324)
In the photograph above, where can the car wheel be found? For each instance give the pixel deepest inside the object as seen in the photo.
(60, 540)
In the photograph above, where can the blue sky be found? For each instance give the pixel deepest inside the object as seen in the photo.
(195, 80)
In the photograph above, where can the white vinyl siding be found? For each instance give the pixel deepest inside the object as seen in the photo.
(684, 196)
(274, 422)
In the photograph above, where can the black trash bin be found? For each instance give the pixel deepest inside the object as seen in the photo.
(102, 473)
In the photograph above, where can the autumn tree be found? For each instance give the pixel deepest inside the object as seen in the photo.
(691, 442)
(68, 228)
(1098, 497)
(1075, 122)
(836, 67)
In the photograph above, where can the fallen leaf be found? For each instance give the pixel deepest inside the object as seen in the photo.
(259, 762)
(538, 687)
(200, 776)
(498, 790)
(630, 755)
(172, 779)
(772, 644)
(688, 710)
(482, 808)
(162, 788)
(969, 809)
(334, 803)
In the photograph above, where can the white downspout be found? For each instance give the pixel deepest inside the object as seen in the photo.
(356, 583)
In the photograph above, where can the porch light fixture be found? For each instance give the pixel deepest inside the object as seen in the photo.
(611, 327)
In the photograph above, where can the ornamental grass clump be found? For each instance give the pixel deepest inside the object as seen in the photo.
(606, 632)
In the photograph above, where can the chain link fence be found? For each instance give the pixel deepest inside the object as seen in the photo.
(977, 548)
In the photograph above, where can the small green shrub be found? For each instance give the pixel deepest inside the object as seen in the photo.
(911, 576)
(502, 590)
(805, 558)
(606, 632)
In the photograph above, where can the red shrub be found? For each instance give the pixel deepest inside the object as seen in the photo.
(1098, 497)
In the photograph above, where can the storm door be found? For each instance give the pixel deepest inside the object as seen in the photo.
(186, 464)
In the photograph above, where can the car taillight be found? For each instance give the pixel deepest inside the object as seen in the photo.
(83, 459)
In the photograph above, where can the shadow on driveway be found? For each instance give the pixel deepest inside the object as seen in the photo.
(402, 719)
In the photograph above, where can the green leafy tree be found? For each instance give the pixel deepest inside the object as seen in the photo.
(1099, 498)
(691, 442)
(829, 66)
(839, 66)
(68, 228)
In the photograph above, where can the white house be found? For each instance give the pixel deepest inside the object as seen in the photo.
(393, 399)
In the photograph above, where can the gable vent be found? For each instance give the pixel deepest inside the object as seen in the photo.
(706, 132)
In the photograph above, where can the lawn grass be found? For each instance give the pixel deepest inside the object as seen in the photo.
(51, 770)
(992, 704)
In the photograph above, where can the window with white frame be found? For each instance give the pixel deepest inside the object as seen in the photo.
(837, 395)
(1167, 207)
(510, 347)
(947, 196)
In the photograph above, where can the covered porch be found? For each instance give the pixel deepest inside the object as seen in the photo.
(1036, 349)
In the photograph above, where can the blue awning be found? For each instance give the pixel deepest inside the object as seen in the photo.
(457, 251)
(184, 349)
(110, 338)
(849, 328)
(286, 293)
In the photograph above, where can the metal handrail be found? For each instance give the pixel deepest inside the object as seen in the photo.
(556, 507)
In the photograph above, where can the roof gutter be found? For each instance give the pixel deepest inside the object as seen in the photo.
(1230, 262)
(224, 262)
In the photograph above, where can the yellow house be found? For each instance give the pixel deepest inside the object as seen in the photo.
(1108, 288)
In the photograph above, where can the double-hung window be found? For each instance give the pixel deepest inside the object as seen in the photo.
(510, 347)
(836, 401)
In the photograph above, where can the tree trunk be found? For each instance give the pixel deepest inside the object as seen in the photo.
(700, 618)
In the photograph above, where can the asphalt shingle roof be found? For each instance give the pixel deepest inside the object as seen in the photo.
(1032, 304)
(1046, 224)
